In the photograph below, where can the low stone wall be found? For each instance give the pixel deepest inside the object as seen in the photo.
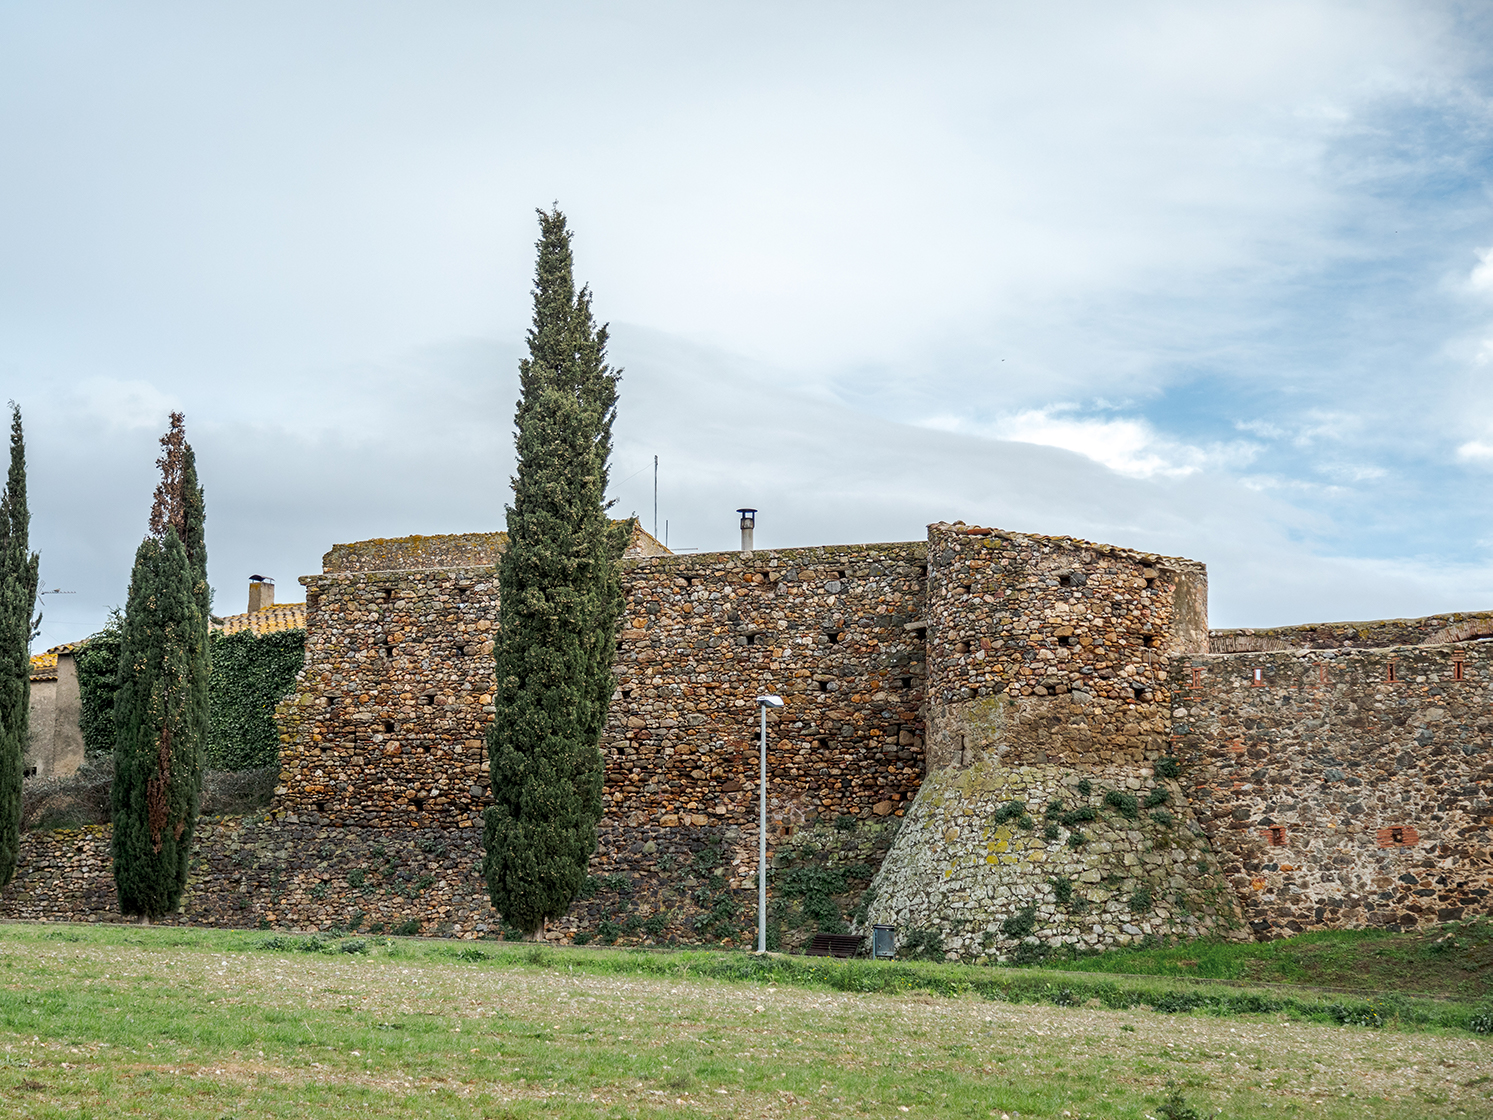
(1439, 629)
(985, 859)
(1344, 789)
(648, 885)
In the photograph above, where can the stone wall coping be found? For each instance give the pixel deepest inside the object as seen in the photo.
(1076, 544)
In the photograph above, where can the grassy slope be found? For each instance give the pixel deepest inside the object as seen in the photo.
(1453, 961)
(177, 1023)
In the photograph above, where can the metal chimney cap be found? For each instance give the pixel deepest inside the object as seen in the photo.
(748, 517)
(262, 579)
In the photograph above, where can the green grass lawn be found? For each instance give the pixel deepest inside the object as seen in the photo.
(120, 1020)
(1452, 961)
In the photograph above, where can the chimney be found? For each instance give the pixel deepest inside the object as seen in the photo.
(261, 593)
(748, 523)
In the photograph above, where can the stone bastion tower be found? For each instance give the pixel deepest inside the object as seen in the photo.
(1051, 811)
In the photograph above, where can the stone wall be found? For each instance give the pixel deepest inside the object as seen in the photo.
(1339, 795)
(1437, 629)
(1048, 664)
(1001, 862)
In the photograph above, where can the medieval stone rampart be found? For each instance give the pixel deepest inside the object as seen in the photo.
(1343, 788)
(1049, 668)
(1069, 763)
(1437, 629)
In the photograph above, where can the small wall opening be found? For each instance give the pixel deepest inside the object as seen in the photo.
(388, 727)
(821, 744)
(1140, 693)
(1389, 673)
(461, 651)
(1259, 678)
(835, 637)
(386, 594)
(1068, 640)
(1065, 580)
(1197, 676)
(419, 804)
(1150, 641)
(906, 682)
(1275, 835)
(1459, 669)
(428, 698)
(961, 647)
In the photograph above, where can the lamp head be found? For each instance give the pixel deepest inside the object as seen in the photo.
(769, 701)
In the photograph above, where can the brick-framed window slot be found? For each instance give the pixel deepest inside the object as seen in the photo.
(1459, 668)
(1321, 674)
(1197, 676)
(1389, 673)
(1258, 679)
(1397, 836)
(1275, 836)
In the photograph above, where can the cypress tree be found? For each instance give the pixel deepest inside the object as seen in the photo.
(160, 706)
(560, 604)
(18, 576)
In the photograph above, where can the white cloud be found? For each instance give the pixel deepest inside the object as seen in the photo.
(1482, 273)
(1476, 451)
(1126, 445)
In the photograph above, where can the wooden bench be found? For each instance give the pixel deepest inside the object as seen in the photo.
(836, 944)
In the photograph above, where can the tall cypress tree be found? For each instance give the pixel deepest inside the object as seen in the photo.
(18, 575)
(560, 605)
(160, 707)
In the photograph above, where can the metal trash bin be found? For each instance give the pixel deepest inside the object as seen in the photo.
(883, 942)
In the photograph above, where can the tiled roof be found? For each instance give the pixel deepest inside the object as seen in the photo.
(44, 665)
(282, 616)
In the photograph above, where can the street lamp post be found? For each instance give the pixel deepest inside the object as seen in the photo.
(763, 703)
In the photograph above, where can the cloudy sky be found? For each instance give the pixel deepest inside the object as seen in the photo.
(1214, 280)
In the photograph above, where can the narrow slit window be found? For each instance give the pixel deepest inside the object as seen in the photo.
(1321, 674)
(1259, 678)
(1277, 836)
(1389, 672)
(1458, 673)
(1197, 676)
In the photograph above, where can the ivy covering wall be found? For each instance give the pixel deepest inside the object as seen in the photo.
(250, 676)
(98, 677)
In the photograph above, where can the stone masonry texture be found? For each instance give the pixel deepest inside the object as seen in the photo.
(1339, 794)
(1069, 756)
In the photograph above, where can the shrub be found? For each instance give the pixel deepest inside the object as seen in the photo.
(409, 928)
(1167, 768)
(1175, 1107)
(845, 823)
(1163, 818)
(1010, 811)
(1482, 1020)
(1062, 889)
(356, 878)
(1051, 832)
(921, 944)
(583, 938)
(1077, 839)
(1085, 787)
(1123, 803)
(1141, 900)
(1079, 816)
(1020, 924)
(1158, 796)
